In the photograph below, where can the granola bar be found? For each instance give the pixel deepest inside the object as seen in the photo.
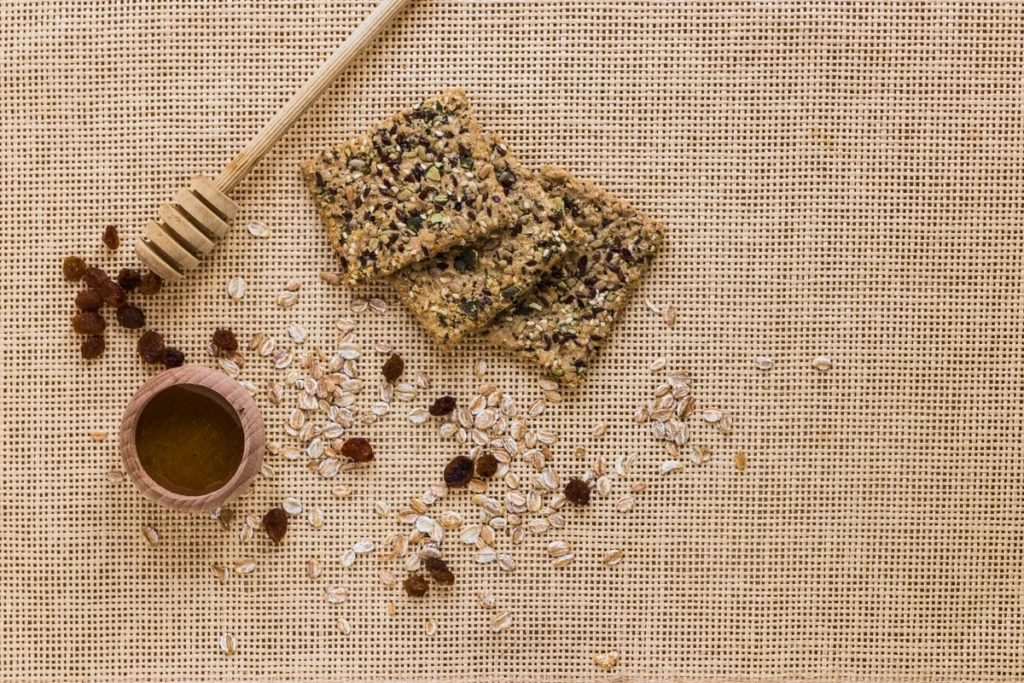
(563, 322)
(414, 185)
(461, 291)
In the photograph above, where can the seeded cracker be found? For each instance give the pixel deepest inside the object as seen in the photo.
(461, 291)
(414, 185)
(565, 320)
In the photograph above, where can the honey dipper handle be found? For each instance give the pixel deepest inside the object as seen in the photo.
(328, 72)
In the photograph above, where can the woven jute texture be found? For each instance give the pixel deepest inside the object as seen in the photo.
(839, 179)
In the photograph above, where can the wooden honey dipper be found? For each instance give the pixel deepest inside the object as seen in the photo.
(189, 226)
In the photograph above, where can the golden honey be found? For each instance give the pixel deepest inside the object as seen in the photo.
(189, 440)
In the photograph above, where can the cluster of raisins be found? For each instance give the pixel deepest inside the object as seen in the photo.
(101, 289)
(416, 586)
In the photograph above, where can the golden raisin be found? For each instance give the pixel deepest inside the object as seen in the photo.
(486, 465)
(439, 572)
(74, 268)
(151, 346)
(578, 492)
(443, 405)
(275, 523)
(393, 368)
(111, 238)
(458, 472)
(225, 339)
(358, 449)
(129, 279)
(93, 347)
(416, 586)
(88, 300)
(94, 276)
(150, 284)
(88, 322)
(173, 358)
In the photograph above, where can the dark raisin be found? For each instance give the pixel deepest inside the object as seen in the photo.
(88, 322)
(357, 448)
(74, 268)
(486, 465)
(225, 339)
(111, 238)
(439, 572)
(393, 368)
(131, 317)
(458, 472)
(150, 284)
(94, 276)
(443, 405)
(416, 586)
(88, 300)
(93, 347)
(577, 492)
(151, 347)
(112, 293)
(129, 279)
(173, 358)
(275, 523)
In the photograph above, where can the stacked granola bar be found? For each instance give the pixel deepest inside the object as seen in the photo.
(472, 241)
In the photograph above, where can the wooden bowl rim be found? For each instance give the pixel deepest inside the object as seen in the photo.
(239, 400)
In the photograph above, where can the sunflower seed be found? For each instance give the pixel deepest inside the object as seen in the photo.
(258, 229)
(151, 535)
(236, 288)
(764, 363)
(822, 364)
(246, 566)
(227, 644)
(502, 621)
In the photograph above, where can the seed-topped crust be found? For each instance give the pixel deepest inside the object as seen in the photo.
(563, 322)
(413, 186)
(461, 291)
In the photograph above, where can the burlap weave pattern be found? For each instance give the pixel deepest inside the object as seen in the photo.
(837, 178)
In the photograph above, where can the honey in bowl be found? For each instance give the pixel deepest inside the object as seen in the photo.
(189, 440)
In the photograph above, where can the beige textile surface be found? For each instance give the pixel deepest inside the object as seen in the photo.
(838, 178)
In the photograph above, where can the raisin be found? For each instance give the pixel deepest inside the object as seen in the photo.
(88, 322)
(577, 492)
(443, 405)
(225, 339)
(486, 465)
(416, 586)
(129, 279)
(393, 368)
(113, 294)
(173, 358)
(94, 276)
(458, 472)
(74, 268)
(111, 238)
(88, 300)
(150, 284)
(275, 523)
(131, 317)
(93, 347)
(357, 448)
(151, 347)
(439, 572)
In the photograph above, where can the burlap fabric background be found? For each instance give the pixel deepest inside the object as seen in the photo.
(837, 178)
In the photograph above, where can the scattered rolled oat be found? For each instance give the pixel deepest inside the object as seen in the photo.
(740, 460)
(764, 363)
(151, 535)
(258, 229)
(822, 364)
(236, 288)
(227, 644)
(606, 661)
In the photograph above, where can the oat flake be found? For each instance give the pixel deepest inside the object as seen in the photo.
(258, 229)
(227, 644)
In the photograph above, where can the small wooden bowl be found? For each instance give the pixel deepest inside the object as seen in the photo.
(252, 429)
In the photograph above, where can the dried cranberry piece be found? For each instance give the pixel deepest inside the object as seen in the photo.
(458, 472)
(443, 405)
(358, 449)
